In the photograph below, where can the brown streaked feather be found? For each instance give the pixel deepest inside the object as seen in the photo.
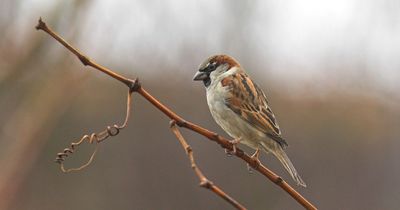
(248, 101)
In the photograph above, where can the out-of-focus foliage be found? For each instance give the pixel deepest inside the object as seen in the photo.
(339, 110)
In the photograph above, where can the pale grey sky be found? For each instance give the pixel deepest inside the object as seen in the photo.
(292, 40)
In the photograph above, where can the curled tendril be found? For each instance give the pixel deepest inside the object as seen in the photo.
(97, 138)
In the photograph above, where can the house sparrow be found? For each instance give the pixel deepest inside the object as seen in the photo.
(241, 108)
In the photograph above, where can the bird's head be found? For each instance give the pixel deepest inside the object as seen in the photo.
(213, 67)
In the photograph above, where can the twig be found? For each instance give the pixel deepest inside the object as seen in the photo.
(204, 182)
(94, 138)
(135, 86)
(84, 59)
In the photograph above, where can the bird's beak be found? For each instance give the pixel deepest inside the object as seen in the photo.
(200, 75)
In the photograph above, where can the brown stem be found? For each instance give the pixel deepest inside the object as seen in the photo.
(135, 86)
(204, 182)
(225, 143)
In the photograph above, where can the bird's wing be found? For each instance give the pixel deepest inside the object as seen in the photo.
(249, 102)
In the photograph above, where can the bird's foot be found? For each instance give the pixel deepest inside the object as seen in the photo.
(234, 142)
(255, 157)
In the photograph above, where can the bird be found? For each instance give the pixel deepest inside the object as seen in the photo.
(241, 109)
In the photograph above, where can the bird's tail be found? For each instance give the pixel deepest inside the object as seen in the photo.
(284, 159)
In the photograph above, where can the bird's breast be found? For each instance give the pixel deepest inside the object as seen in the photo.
(229, 121)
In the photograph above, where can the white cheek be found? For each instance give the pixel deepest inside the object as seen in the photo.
(222, 72)
(215, 75)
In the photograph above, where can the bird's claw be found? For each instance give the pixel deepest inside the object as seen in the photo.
(228, 153)
(233, 142)
(255, 157)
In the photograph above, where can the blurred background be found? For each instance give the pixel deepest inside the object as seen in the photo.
(330, 69)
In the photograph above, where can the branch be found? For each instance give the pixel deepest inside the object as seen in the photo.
(204, 182)
(135, 86)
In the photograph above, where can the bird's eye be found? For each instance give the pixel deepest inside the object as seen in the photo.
(211, 66)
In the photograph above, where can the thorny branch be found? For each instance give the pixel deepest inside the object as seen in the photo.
(204, 182)
(135, 86)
